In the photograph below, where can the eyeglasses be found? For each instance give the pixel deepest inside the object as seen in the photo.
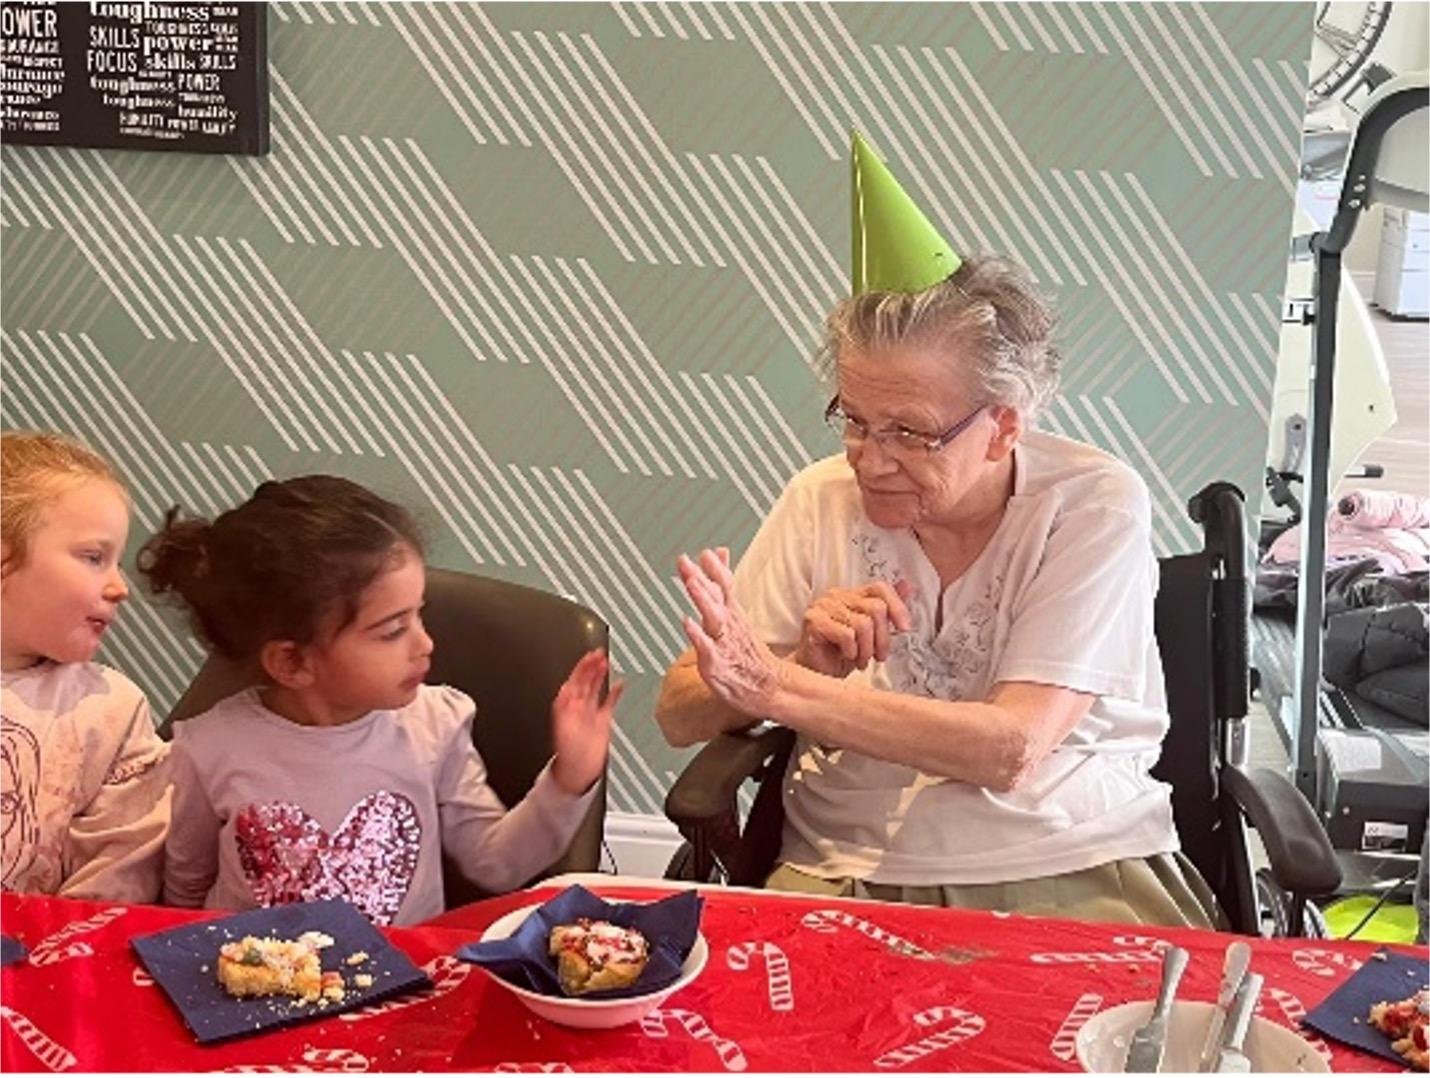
(898, 439)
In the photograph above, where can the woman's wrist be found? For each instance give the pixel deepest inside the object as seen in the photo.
(792, 686)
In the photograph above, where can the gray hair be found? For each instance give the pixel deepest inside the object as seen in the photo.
(988, 315)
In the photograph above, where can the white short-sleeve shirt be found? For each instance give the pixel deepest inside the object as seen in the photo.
(1061, 595)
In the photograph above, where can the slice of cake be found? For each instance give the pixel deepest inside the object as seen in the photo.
(1404, 1023)
(593, 956)
(272, 967)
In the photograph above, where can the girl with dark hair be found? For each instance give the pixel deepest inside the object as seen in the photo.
(339, 774)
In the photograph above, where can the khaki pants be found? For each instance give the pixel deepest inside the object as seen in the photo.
(1160, 890)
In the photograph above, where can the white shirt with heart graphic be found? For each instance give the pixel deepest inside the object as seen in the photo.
(268, 812)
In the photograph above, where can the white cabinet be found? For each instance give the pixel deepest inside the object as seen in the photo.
(1402, 273)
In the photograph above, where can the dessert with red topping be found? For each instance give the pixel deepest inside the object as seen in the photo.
(594, 956)
(255, 966)
(1404, 1023)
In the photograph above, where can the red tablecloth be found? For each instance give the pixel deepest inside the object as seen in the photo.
(793, 984)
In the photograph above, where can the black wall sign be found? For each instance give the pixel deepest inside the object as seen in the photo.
(143, 76)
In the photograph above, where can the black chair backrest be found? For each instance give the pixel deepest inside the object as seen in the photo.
(507, 646)
(1183, 626)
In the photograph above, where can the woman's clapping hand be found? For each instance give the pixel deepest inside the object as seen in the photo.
(737, 666)
(847, 628)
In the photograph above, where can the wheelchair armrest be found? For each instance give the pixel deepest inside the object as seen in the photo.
(1302, 860)
(706, 789)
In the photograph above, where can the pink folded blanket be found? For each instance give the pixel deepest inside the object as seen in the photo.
(1383, 509)
(1397, 550)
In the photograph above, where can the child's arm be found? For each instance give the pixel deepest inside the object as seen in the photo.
(115, 846)
(191, 853)
(494, 848)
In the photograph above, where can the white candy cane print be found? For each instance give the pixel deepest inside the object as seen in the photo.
(50, 955)
(533, 1068)
(140, 976)
(53, 1055)
(446, 973)
(1064, 1042)
(966, 1024)
(827, 920)
(50, 945)
(657, 1024)
(1148, 950)
(776, 970)
(1295, 1010)
(314, 1061)
(1316, 961)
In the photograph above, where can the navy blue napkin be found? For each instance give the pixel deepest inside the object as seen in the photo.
(184, 961)
(669, 926)
(1345, 1013)
(11, 950)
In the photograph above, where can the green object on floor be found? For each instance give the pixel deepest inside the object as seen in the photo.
(1392, 923)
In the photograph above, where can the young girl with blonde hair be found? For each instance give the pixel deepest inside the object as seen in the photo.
(85, 791)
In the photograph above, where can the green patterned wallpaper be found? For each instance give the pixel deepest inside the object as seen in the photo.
(553, 273)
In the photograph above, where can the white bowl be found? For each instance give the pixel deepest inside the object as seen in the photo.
(593, 1013)
(1102, 1043)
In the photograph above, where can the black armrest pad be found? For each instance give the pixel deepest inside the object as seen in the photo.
(707, 786)
(1301, 857)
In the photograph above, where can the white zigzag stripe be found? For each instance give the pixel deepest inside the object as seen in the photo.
(737, 12)
(69, 218)
(1174, 295)
(1031, 180)
(1118, 284)
(594, 92)
(422, 52)
(599, 151)
(1193, 112)
(976, 159)
(629, 108)
(1163, 297)
(313, 138)
(1148, 84)
(747, 257)
(325, 364)
(133, 246)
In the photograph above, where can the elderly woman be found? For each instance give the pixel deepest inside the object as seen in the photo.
(955, 617)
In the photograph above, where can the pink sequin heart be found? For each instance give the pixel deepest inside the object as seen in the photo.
(288, 857)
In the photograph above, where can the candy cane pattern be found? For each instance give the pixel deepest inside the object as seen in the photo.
(819, 921)
(1064, 1042)
(1295, 1011)
(1314, 961)
(50, 955)
(656, 1024)
(966, 1025)
(140, 976)
(533, 1068)
(54, 1056)
(315, 1061)
(51, 944)
(1149, 950)
(776, 968)
(446, 973)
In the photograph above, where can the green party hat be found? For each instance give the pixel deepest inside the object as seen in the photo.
(895, 247)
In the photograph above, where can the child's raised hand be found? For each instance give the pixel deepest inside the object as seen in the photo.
(581, 723)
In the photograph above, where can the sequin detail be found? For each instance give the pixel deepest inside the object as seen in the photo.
(370, 861)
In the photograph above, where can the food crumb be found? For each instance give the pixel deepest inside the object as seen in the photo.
(357, 958)
(363, 980)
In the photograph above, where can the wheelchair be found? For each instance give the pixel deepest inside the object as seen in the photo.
(1201, 629)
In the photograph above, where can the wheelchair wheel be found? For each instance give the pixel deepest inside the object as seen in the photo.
(1276, 907)
(682, 867)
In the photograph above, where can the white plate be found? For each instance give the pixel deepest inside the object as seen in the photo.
(593, 1013)
(1102, 1043)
